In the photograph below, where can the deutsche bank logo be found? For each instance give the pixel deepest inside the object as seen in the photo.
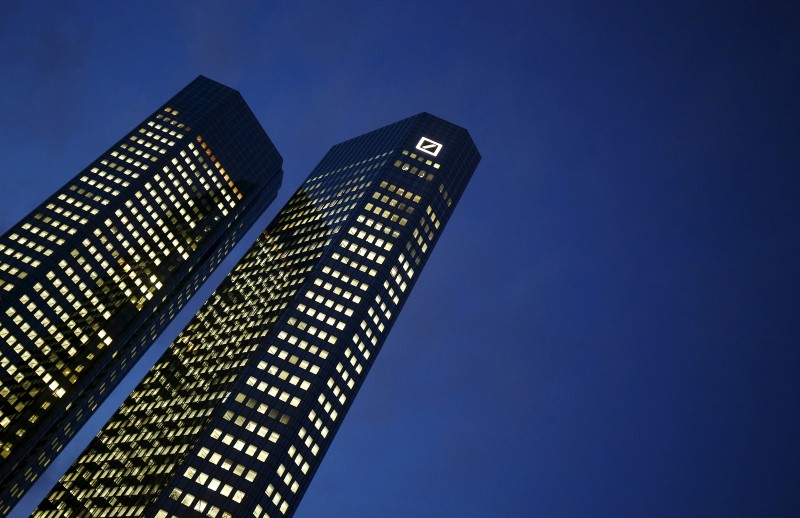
(428, 146)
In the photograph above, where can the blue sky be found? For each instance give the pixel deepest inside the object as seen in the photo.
(608, 325)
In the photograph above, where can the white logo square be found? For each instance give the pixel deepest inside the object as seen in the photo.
(426, 145)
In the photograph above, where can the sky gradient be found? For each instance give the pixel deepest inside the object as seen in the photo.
(608, 325)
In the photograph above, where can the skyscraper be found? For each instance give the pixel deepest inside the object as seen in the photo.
(95, 273)
(235, 417)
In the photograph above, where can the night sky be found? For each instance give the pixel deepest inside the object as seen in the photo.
(609, 324)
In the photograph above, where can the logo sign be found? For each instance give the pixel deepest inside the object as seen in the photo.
(428, 146)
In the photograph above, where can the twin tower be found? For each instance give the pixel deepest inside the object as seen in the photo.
(234, 419)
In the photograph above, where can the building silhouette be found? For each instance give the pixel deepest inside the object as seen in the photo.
(92, 275)
(234, 419)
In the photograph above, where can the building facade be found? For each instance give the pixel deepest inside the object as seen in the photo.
(235, 417)
(92, 276)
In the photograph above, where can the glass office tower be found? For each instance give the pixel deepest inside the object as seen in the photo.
(235, 417)
(98, 270)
